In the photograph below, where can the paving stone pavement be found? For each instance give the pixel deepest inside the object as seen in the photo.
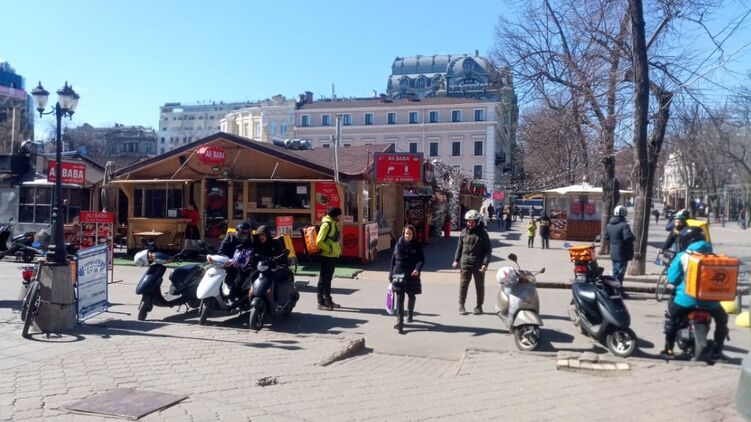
(218, 369)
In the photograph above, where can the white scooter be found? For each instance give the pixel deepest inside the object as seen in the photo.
(518, 305)
(215, 294)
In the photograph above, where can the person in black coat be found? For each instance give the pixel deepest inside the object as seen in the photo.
(544, 224)
(408, 260)
(621, 240)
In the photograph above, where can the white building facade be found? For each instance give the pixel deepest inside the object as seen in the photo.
(272, 118)
(181, 124)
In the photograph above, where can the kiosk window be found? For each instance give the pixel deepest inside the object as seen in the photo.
(282, 195)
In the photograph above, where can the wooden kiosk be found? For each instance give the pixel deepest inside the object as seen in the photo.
(233, 179)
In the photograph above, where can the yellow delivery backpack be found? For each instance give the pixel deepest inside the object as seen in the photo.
(711, 277)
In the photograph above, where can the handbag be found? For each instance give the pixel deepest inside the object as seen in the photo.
(390, 299)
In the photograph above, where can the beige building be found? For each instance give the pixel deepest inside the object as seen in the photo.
(272, 118)
(468, 134)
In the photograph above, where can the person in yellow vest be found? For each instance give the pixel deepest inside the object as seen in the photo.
(328, 243)
(691, 240)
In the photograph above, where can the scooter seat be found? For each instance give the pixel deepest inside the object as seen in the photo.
(585, 291)
(185, 273)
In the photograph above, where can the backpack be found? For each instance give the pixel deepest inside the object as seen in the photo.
(711, 277)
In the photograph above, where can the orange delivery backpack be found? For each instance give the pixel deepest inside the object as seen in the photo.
(309, 235)
(585, 253)
(712, 277)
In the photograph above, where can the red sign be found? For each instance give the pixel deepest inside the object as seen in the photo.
(498, 195)
(284, 225)
(327, 196)
(211, 155)
(73, 173)
(398, 168)
(97, 217)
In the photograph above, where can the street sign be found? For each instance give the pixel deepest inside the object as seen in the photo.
(398, 167)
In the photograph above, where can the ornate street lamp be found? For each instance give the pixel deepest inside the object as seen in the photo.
(67, 101)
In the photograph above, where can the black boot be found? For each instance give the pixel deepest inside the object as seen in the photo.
(399, 325)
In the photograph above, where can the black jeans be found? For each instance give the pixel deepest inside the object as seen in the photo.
(677, 313)
(400, 293)
(328, 265)
(531, 242)
(545, 241)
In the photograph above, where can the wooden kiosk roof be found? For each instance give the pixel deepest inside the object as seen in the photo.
(249, 159)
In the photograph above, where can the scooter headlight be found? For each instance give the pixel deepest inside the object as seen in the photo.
(262, 266)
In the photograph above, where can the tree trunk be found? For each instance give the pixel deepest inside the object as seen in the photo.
(611, 193)
(644, 176)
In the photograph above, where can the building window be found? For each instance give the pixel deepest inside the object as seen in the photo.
(283, 129)
(273, 128)
(404, 82)
(391, 118)
(325, 120)
(305, 120)
(327, 145)
(35, 204)
(347, 145)
(347, 119)
(162, 139)
(478, 172)
(257, 130)
(456, 116)
(246, 131)
(420, 82)
(154, 202)
(162, 150)
(433, 117)
(413, 117)
(434, 149)
(413, 147)
(478, 147)
(480, 115)
(456, 148)
(468, 64)
(368, 118)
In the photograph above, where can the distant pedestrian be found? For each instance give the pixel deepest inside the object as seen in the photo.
(742, 218)
(507, 218)
(472, 257)
(531, 232)
(499, 216)
(621, 240)
(657, 215)
(328, 243)
(544, 221)
(521, 214)
(407, 260)
(491, 212)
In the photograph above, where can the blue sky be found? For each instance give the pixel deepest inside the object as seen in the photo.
(127, 58)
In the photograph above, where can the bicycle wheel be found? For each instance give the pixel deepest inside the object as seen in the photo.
(662, 285)
(30, 307)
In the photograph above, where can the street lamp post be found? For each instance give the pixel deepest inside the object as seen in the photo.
(67, 100)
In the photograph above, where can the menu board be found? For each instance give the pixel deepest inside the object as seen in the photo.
(326, 196)
(97, 228)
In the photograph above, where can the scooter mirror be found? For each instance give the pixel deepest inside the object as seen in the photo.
(542, 270)
(512, 257)
(10, 220)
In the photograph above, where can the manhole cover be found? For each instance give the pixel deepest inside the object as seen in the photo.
(125, 403)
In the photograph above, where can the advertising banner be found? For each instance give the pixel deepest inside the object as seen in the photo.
(211, 155)
(326, 196)
(73, 173)
(97, 228)
(398, 167)
(284, 225)
(91, 287)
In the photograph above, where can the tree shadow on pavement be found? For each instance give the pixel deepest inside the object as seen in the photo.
(311, 288)
(332, 323)
(443, 328)
(274, 345)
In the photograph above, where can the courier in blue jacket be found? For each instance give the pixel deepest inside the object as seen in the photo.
(691, 240)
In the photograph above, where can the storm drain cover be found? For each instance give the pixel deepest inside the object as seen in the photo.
(125, 403)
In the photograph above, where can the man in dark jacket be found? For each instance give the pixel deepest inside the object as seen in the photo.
(472, 257)
(621, 240)
(231, 243)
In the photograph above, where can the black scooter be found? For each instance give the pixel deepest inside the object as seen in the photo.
(183, 281)
(273, 291)
(693, 333)
(597, 308)
(21, 245)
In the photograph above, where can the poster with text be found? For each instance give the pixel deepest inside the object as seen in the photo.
(284, 225)
(327, 196)
(91, 285)
(97, 228)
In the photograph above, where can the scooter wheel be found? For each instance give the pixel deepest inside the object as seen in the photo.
(144, 307)
(255, 320)
(527, 337)
(621, 343)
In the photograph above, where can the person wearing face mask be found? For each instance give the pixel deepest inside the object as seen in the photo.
(472, 257)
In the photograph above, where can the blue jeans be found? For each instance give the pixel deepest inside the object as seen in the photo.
(619, 270)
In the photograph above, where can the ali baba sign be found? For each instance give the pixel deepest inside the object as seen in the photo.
(398, 168)
(211, 155)
(73, 173)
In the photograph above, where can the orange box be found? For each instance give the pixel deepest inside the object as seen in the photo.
(585, 253)
(712, 277)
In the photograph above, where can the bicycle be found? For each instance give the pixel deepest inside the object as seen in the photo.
(664, 258)
(32, 301)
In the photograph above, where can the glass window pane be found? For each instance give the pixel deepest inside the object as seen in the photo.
(42, 214)
(26, 196)
(74, 197)
(237, 201)
(138, 205)
(44, 196)
(26, 214)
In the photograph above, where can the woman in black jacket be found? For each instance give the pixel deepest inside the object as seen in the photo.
(407, 260)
